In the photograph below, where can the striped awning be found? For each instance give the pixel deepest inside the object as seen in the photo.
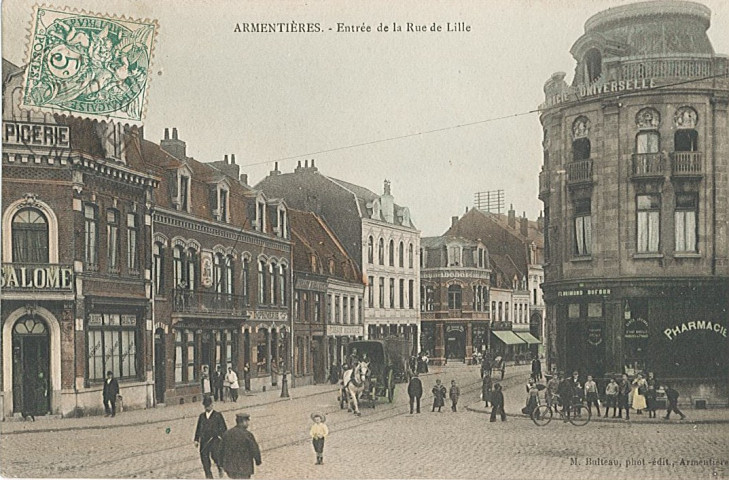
(508, 337)
(528, 337)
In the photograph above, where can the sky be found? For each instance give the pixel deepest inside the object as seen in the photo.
(424, 110)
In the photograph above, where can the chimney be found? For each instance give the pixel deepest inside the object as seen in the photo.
(225, 159)
(275, 170)
(512, 216)
(174, 146)
(454, 220)
(312, 163)
(232, 158)
(244, 178)
(306, 164)
(387, 188)
(524, 225)
(540, 222)
(466, 209)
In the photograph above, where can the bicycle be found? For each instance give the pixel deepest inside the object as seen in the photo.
(579, 414)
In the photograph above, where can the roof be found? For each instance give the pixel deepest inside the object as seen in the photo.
(435, 242)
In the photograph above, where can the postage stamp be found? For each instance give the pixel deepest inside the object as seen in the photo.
(88, 65)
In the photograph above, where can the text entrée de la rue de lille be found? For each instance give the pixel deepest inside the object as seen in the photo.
(342, 27)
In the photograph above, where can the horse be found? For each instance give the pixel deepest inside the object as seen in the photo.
(356, 381)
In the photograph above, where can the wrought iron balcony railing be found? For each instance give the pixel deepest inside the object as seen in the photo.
(579, 172)
(687, 164)
(647, 165)
(191, 301)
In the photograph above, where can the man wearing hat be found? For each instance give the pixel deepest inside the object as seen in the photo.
(318, 432)
(208, 433)
(239, 449)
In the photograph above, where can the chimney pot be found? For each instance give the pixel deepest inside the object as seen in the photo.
(306, 164)
(167, 133)
(225, 159)
(299, 164)
(174, 133)
(275, 165)
(232, 158)
(244, 178)
(312, 163)
(454, 220)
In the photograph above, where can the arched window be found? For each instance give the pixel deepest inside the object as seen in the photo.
(158, 262)
(647, 142)
(261, 282)
(454, 297)
(370, 250)
(381, 252)
(178, 255)
(392, 253)
(191, 268)
(282, 284)
(228, 276)
(593, 65)
(410, 255)
(218, 279)
(686, 138)
(581, 149)
(273, 285)
(401, 255)
(112, 240)
(30, 236)
(245, 274)
(91, 235)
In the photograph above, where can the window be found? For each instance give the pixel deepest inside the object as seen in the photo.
(686, 213)
(392, 293)
(112, 240)
(583, 228)
(410, 256)
(260, 215)
(305, 306)
(401, 255)
(648, 223)
(454, 256)
(282, 283)
(178, 255)
(191, 268)
(282, 223)
(454, 297)
(345, 310)
(30, 236)
(392, 253)
(593, 65)
(480, 258)
(382, 292)
(352, 318)
(261, 282)
(245, 280)
(185, 356)
(411, 294)
(429, 299)
(337, 310)
(132, 239)
(90, 235)
(402, 293)
(506, 311)
(158, 267)
(218, 277)
(370, 291)
(223, 205)
(686, 140)
(581, 149)
(273, 283)
(381, 252)
(317, 308)
(647, 142)
(184, 193)
(112, 345)
(370, 250)
(330, 310)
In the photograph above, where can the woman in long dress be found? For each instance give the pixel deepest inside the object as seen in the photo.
(639, 403)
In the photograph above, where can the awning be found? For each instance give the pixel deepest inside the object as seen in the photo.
(508, 337)
(528, 337)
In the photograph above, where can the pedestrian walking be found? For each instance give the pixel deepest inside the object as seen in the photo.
(639, 401)
(486, 388)
(415, 391)
(497, 400)
(318, 433)
(247, 377)
(111, 390)
(672, 397)
(623, 396)
(651, 394)
(532, 400)
(566, 392)
(611, 397)
(536, 369)
(439, 393)
(454, 393)
(239, 449)
(485, 366)
(208, 434)
(591, 395)
(206, 385)
(232, 379)
(218, 380)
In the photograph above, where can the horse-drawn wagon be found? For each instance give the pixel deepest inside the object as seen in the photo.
(380, 364)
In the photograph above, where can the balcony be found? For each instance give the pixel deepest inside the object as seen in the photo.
(687, 164)
(579, 172)
(543, 184)
(647, 166)
(189, 301)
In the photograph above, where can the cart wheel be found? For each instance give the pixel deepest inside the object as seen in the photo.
(390, 387)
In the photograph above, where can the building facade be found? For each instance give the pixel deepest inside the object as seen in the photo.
(221, 272)
(75, 279)
(328, 295)
(377, 234)
(455, 276)
(634, 188)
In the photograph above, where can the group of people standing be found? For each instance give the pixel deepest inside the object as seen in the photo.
(221, 386)
(415, 392)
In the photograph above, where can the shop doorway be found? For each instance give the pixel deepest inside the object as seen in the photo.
(455, 347)
(31, 367)
(585, 348)
(159, 365)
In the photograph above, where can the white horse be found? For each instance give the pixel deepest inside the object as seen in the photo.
(355, 381)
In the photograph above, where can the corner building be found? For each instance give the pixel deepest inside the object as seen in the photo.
(634, 186)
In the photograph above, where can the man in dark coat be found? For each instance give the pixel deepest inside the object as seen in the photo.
(111, 390)
(239, 449)
(536, 369)
(566, 392)
(218, 379)
(208, 433)
(415, 391)
(624, 388)
(497, 403)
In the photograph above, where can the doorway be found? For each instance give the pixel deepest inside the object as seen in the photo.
(455, 347)
(159, 365)
(31, 367)
(585, 350)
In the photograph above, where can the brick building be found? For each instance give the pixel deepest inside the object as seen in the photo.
(378, 235)
(328, 295)
(221, 270)
(635, 190)
(75, 276)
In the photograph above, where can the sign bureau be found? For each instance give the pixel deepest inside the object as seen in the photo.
(268, 315)
(52, 277)
(344, 330)
(581, 292)
(36, 135)
(310, 285)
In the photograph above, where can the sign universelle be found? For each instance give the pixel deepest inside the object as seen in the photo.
(88, 65)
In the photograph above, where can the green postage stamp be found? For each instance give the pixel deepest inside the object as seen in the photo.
(88, 65)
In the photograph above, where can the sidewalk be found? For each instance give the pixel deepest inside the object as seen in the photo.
(147, 416)
(515, 399)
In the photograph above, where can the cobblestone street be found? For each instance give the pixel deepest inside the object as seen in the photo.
(385, 442)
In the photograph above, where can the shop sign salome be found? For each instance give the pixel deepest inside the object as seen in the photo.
(49, 277)
(707, 325)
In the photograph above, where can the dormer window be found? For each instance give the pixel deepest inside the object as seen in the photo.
(454, 256)
(184, 189)
(282, 222)
(593, 65)
(223, 204)
(260, 215)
